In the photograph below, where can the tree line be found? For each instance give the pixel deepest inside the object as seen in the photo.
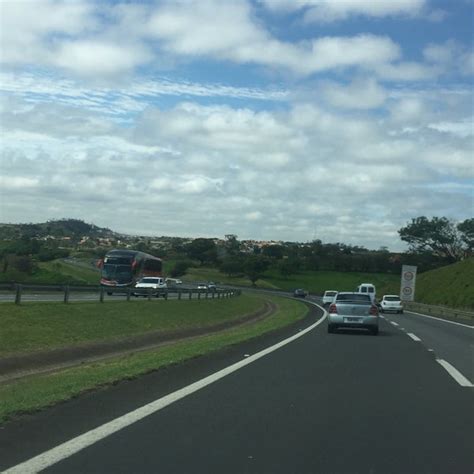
(431, 243)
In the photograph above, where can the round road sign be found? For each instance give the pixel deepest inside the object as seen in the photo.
(408, 276)
(407, 291)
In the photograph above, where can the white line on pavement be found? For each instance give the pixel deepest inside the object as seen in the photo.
(442, 320)
(455, 374)
(67, 449)
(393, 323)
(415, 338)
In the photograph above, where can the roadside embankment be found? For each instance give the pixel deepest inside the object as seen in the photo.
(38, 391)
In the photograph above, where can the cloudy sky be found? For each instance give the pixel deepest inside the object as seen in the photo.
(270, 119)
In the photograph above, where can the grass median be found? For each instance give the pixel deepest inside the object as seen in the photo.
(41, 391)
(39, 326)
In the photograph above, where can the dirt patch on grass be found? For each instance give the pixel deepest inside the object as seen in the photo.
(15, 367)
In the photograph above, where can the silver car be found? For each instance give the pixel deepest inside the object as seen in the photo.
(391, 303)
(353, 310)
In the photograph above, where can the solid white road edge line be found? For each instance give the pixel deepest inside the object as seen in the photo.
(67, 449)
(441, 319)
(455, 374)
(414, 337)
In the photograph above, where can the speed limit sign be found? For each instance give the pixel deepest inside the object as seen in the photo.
(407, 287)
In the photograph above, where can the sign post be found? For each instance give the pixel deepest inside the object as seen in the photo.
(407, 287)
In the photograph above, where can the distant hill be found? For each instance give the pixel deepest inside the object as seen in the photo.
(452, 285)
(73, 228)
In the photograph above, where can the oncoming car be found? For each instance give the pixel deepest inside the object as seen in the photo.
(147, 283)
(391, 303)
(300, 293)
(353, 310)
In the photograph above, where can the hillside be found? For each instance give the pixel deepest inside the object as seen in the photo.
(452, 285)
(72, 228)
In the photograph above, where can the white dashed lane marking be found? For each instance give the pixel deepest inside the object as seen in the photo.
(414, 337)
(455, 374)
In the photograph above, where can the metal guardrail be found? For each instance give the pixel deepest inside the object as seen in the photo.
(20, 290)
(439, 311)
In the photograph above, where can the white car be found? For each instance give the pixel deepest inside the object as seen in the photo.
(329, 296)
(391, 303)
(155, 283)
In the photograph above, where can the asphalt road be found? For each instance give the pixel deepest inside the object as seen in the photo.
(323, 403)
(447, 340)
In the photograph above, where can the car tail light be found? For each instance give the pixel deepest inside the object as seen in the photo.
(333, 309)
(374, 311)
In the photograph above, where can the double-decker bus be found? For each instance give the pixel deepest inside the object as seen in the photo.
(122, 268)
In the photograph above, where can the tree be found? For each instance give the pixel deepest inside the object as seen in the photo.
(437, 235)
(273, 251)
(180, 268)
(254, 267)
(466, 229)
(232, 245)
(203, 250)
(231, 266)
(287, 267)
(23, 264)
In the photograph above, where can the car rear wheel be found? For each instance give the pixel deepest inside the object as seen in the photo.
(331, 328)
(374, 331)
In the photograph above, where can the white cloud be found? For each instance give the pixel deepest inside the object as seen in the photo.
(92, 57)
(360, 94)
(228, 31)
(451, 57)
(27, 27)
(330, 10)
(461, 129)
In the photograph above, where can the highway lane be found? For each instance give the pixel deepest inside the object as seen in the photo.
(448, 340)
(346, 402)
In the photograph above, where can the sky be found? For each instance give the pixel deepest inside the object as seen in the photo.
(338, 120)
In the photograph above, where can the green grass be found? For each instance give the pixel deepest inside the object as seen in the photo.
(41, 391)
(452, 285)
(37, 326)
(314, 282)
(55, 272)
(213, 274)
(69, 272)
(318, 282)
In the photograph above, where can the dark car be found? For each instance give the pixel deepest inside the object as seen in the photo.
(300, 293)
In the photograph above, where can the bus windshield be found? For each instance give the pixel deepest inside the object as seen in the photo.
(121, 273)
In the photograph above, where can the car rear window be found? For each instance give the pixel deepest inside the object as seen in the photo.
(330, 293)
(392, 298)
(353, 297)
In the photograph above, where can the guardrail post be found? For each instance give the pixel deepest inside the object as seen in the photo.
(218, 295)
(18, 294)
(207, 293)
(190, 294)
(179, 294)
(166, 294)
(66, 294)
(129, 292)
(101, 296)
(199, 294)
(213, 294)
(149, 294)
